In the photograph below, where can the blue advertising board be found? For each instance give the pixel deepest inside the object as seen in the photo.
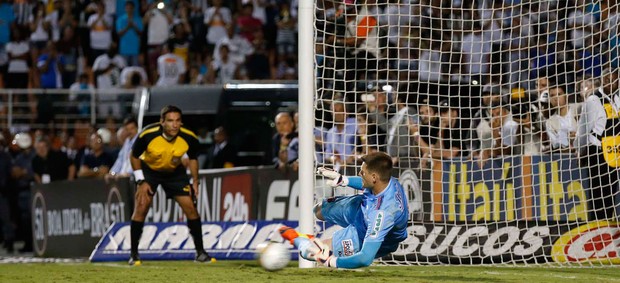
(172, 240)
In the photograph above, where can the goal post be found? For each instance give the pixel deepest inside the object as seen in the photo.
(481, 104)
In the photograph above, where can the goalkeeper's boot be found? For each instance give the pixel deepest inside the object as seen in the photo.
(134, 260)
(290, 234)
(203, 257)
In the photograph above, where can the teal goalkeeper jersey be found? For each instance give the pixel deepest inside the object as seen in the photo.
(385, 218)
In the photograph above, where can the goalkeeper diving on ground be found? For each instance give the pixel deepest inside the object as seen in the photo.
(374, 222)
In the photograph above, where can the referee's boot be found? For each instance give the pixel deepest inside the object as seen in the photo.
(134, 260)
(203, 257)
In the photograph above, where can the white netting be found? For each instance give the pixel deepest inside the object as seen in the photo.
(482, 105)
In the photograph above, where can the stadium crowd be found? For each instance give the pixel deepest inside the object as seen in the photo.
(533, 62)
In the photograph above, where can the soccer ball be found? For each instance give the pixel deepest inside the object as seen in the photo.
(273, 256)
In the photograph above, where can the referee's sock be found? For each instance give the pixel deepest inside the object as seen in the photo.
(195, 228)
(136, 233)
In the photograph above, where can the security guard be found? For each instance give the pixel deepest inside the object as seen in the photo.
(598, 143)
(156, 160)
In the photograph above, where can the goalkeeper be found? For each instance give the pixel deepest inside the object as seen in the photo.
(374, 222)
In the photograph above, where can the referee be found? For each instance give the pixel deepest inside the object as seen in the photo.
(156, 160)
(598, 124)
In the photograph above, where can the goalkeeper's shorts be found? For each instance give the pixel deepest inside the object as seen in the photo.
(346, 242)
(345, 211)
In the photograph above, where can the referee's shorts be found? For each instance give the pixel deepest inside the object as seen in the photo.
(174, 183)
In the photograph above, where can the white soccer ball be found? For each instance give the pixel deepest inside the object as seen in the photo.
(274, 256)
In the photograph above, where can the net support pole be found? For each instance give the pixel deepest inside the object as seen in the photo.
(306, 120)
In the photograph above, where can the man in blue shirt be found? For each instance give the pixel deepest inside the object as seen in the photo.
(374, 222)
(129, 27)
(51, 65)
(6, 22)
(340, 139)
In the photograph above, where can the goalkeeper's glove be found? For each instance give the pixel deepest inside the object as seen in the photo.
(323, 254)
(335, 179)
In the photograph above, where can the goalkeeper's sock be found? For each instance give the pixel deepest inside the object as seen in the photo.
(195, 229)
(136, 233)
(304, 245)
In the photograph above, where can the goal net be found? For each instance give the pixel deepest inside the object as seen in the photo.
(482, 104)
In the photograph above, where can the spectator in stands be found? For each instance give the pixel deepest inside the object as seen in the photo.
(54, 19)
(591, 128)
(593, 58)
(181, 41)
(101, 25)
(50, 65)
(157, 22)
(247, 24)
(481, 122)
(430, 61)
(285, 126)
(7, 18)
(199, 30)
(97, 163)
(171, 68)
(367, 140)
(239, 47)
(217, 18)
(398, 138)
(377, 107)
(40, 29)
(222, 154)
(195, 77)
(362, 41)
(258, 64)
(287, 28)
(7, 22)
(340, 139)
(581, 23)
(129, 29)
(49, 165)
(68, 13)
(133, 77)
(587, 86)
(224, 69)
(426, 133)
(22, 176)
(107, 69)
(476, 54)
(18, 51)
(505, 132)
(561, 126)
(122, 166)
(80, 94)
(454, 133)
(68, 47)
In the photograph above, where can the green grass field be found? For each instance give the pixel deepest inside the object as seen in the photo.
(250, 271)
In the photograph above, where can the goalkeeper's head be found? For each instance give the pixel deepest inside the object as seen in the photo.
(377, 168)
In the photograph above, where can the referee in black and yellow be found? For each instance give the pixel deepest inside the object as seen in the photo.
(156, 160)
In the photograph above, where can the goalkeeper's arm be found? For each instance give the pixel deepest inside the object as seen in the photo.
(355, 182)
(362, 258)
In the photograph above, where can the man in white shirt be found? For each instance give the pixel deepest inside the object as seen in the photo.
(505, 130)
(170, 68)
(107, 69)
(157, 23)
(127, 77)
(561, 126)
(593, 126)
(122, 166)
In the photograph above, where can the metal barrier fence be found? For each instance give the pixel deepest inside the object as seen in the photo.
(37, 108)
